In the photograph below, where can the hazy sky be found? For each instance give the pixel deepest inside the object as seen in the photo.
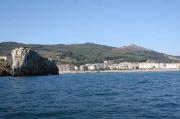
(153, 24)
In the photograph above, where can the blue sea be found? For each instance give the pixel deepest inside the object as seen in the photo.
(140, 95)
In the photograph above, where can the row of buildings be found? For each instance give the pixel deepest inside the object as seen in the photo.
(114, 66)
(119, 66)
(143, 65)
(86, 67)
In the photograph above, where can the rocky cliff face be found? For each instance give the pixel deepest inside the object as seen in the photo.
(27, 62)
(5, 68)
(4, 72)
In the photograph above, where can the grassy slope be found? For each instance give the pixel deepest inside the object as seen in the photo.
(89, 53)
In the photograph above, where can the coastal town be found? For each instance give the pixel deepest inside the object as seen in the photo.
(110, 66)
(123, 66)
(89, 59)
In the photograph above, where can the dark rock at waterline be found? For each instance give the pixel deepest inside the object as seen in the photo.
(27, 62)
(4, 72)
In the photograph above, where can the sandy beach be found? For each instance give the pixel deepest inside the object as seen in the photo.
(114, 71)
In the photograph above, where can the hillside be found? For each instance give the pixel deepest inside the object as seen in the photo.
(91, 53)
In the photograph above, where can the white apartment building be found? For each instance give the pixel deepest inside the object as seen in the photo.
(145, 65)
(171, 66)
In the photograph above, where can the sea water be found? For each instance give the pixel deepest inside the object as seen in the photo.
(141, 95)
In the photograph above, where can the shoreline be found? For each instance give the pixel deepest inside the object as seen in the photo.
(118, 71)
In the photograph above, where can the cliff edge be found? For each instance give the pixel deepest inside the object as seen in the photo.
(27, 62)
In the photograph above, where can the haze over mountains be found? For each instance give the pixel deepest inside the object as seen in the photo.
(91, 53)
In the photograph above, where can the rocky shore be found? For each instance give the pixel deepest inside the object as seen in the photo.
(5, 68)
(27, 62)
(4, 72)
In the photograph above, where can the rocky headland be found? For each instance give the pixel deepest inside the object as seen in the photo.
(27, 62)
(5, 68)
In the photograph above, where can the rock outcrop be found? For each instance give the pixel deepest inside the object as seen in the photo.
(4, 72)
(5, 68)
(27, 62)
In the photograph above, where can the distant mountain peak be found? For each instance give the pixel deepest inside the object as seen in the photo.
(135, 47)
(130, 48)
(90, 43)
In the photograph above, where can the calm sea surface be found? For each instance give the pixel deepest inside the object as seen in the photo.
(92, 96)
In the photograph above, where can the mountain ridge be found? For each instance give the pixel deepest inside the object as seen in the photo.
(91, 53)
